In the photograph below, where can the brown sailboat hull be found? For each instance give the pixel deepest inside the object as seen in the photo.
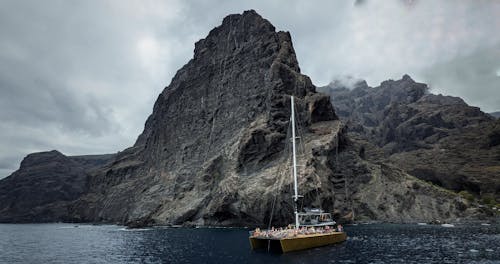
(300, 242)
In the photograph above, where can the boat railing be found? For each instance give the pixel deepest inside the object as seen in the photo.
(291, 232)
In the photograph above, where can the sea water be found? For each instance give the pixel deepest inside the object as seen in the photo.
(374, 243)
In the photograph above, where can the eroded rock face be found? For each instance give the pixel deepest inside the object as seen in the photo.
(437, 138)
(216, 132)
(212, 152)
(215, 150)
(44, 187)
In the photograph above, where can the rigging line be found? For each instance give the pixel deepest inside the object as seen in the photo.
(301, 133)
(281, 178)
(336, 164)
(279, 183)
(346, 203)
(300, 130)
(277, 187)
(302, 144)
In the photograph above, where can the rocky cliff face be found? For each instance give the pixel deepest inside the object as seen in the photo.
(44, 186)
(212, 146)
(214, 151)
(436, 138)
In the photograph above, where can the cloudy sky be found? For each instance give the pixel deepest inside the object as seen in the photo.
(82, 76)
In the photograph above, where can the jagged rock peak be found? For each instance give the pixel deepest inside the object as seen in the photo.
(237, 30)
(407, 77)
(242, 60)
(223, 118)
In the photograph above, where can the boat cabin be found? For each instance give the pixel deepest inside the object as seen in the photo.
(315, 217)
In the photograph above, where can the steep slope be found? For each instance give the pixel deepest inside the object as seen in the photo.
(213, 151)
(44, 186)
(437, 138)
(218, 128)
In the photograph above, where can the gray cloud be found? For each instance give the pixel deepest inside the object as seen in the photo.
(82, 76)
(474, 77)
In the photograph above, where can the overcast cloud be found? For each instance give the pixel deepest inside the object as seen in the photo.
(82, 76)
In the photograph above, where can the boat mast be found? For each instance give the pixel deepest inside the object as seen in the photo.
(296, 192)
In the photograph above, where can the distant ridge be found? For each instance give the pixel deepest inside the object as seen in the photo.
(436, 138)
(495, 114)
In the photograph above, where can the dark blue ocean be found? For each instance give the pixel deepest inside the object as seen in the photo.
(375, 243)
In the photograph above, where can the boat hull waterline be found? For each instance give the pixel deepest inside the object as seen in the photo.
(299, 242)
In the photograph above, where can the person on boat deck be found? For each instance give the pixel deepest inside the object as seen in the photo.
(339, 228)
(256, 232)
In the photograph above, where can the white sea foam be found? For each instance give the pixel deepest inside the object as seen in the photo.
(134, 229)
(447, 225)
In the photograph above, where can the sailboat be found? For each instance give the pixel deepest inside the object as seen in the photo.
(312, 227)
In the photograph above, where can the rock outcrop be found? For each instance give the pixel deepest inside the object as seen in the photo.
(214, 150)
(45, 186)
(211, 149)
(436, 138)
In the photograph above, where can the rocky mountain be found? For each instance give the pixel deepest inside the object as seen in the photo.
(495, 114)
(212, 148)
(214, 151)
(436, 138)
(44, 186)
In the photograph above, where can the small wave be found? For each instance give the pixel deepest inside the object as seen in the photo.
(485, 224)
(421, 223)
(447, 225)
(134, 229)
(473, 250)
(489, 250)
